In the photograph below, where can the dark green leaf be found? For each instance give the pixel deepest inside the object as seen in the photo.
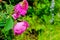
(2, 24)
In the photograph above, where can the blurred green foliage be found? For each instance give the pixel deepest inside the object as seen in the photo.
(38, 16)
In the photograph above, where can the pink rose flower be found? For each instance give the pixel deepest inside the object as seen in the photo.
(20, 27)
(20, 9)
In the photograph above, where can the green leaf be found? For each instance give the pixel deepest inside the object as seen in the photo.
(12, 0)
(2, 24)
(9, 24)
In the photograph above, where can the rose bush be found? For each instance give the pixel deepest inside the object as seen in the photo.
(29, 19)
